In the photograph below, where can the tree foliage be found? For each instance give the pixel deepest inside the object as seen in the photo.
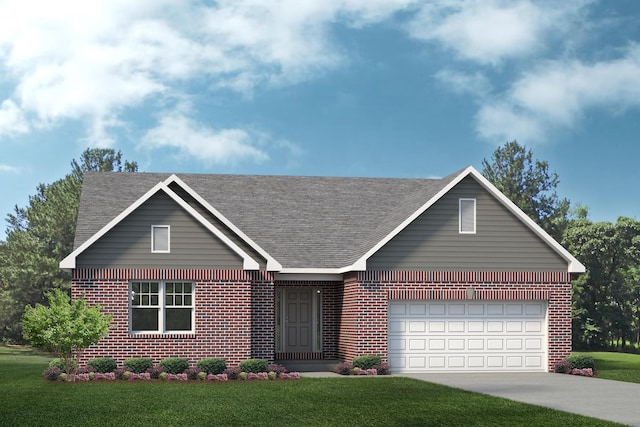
(40, 235)
(65, 327)
(529, 184)
(606, 299)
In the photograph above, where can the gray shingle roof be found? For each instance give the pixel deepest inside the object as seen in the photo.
(302, 222)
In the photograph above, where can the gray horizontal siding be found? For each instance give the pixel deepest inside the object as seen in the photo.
(128, 244)
(501, 243)
(262, 262)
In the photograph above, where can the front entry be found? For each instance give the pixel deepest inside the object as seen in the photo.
(298, 314)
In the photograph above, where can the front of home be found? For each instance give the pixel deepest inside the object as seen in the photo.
(431, 274)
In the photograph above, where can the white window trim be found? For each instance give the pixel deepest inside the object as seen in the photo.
(161, 308)
(460, 230)
(153, 227)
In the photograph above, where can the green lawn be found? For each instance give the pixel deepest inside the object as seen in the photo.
(616, 366)
(28, 400)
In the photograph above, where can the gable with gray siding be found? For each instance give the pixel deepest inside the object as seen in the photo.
(501, 243)
(128, 244)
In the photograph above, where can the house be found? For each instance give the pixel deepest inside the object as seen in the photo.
(431, 274)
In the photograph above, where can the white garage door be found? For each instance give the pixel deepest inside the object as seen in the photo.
(431, 336)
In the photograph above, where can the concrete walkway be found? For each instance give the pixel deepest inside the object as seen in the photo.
(605, 399)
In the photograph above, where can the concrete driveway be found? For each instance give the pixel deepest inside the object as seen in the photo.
(608, 400)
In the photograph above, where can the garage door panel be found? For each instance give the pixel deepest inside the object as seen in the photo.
(467, 336)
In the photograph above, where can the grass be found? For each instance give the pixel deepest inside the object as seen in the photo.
(616, 366)
(29, 400)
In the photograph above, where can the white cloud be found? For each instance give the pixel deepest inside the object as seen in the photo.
(490, 31)
(92, 61)
(175, 130)
(475, 84)
(12, 120)
(557, 94)
(9, 169)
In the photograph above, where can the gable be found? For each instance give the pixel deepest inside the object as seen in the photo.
(502, 242)
(128, 244)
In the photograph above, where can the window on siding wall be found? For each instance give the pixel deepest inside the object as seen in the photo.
(161, 307)
(160, 238)
(468, 216)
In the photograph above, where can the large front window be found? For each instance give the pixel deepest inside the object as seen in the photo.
(161, 307)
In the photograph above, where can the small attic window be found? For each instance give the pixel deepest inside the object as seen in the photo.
(160, 238)
(467, 216)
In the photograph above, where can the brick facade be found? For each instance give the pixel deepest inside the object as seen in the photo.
(366, 294)
(235, 310)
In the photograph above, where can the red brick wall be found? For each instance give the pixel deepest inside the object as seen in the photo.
(364, 310)
(222, 315)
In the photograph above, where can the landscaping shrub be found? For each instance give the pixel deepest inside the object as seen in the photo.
(212, 365)
(366, 361)
(118, 373)
(102, 364)
(138, 365)
(562, 367)
(580, 361)
(174, 365)
(254, 365)
(343, 368)
(192, 373)
(232, 373)
(52, 374)
(155, 372)
(59, 363)
(382, 368)
(278, 369)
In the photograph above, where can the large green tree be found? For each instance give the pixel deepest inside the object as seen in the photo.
(40, 235)
(606, 299)
(529, 184)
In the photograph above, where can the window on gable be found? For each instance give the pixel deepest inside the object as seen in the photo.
(161, 307)
(467, 216)
(160, 237)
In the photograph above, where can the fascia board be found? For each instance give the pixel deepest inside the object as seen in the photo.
(272, 264)
(69, 262)
(361, 263)
(248, 262)
(574, 266)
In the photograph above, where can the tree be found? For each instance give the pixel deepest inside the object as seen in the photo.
(65, 327)
(42, 234)
(529, 185)
(606, 298)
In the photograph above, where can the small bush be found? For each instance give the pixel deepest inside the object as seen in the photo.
(63, 376)
(59, 363)
(175, 365)
(278, 369)
(52, 374)
(212, 365)
(102, 365)
(343, 368)
(192, 373)
(243, 375)
(233, 373)
(382, 368)
(118, 373)
(254, 365)
(202, 376)
(155, 371)
(562, 367)
(581, 362)
(366, 361)
(138, 365)
(163, 376)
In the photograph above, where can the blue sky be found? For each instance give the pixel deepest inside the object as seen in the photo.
(388, 88)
